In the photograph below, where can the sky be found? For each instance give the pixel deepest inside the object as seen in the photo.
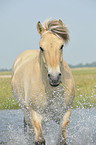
(18, 32)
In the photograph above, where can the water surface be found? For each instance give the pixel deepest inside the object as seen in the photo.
(81, 131)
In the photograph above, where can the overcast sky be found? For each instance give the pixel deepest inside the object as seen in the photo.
(18, 19)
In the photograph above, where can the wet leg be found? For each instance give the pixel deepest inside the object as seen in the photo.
(36, 122)
(63, 129)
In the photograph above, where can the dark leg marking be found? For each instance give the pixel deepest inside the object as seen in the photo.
(25, 125)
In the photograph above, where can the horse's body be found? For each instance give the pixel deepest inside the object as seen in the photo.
(36, 84)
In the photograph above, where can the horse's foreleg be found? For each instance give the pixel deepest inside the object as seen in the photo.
(36, 122)
(64, 126)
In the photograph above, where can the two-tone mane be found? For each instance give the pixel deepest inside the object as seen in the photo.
(58, 28)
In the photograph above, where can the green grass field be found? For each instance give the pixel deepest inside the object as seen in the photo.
(85, 86)
(7, 100)
(5, 73)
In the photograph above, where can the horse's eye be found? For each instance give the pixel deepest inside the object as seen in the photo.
(41, 49)
(62, 47)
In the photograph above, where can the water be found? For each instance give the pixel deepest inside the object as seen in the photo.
(81, 131)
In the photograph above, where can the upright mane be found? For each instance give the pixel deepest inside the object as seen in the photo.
(58, 28)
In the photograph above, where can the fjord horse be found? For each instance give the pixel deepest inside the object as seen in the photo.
(42, 81)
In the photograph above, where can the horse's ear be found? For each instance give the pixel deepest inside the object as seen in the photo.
(40, 28)
(60, 21)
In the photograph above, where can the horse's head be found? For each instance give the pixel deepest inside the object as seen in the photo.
(53, 36)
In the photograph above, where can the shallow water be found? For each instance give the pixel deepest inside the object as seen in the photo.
(81, 131)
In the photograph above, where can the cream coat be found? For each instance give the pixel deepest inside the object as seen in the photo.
(31, 86)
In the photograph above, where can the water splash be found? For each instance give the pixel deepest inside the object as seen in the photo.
(81, 131)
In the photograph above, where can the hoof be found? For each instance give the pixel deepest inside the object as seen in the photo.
(63, 143)
(40, 143)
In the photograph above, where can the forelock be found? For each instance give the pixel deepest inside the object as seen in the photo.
(58, 28)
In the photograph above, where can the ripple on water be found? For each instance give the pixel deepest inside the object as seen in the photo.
(81, 131)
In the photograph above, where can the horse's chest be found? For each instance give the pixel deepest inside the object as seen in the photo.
(55, 106)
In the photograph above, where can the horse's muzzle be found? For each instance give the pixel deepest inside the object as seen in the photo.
(54, 80)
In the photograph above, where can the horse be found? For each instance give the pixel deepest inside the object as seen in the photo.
(43, 83)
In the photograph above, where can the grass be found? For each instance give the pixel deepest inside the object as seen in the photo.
(7, 100)
(5, 73)
(85, 86)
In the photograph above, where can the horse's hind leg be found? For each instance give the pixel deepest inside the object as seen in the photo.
(27, 122)
(36, 122)
(25, 125)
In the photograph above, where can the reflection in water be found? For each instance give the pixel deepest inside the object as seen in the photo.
(81, 131)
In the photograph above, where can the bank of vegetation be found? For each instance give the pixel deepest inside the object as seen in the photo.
(85, 86)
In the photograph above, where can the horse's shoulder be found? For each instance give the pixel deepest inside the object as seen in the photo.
(68, 78)
(67, 74)
(66, 68)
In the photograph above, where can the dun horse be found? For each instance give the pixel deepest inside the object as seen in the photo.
(42, 81)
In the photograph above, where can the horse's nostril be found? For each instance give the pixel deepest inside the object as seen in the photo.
(59, 74)
(49, 75)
